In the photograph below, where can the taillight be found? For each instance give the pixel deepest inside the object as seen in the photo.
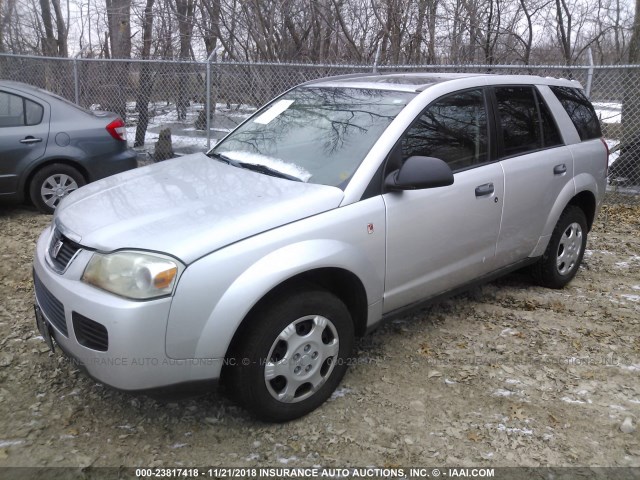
(117, 130)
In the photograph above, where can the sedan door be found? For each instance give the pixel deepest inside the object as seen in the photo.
(441, 238)
(24, 131)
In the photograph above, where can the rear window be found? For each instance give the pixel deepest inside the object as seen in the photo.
(580, 110)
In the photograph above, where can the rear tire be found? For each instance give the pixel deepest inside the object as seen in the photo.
(562, 258)
(52, 183)
(292, 355)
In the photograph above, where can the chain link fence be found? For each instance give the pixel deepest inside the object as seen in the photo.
(175, 107)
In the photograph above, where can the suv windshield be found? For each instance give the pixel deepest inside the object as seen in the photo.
(317, 134)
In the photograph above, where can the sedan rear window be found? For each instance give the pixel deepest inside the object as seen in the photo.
(33, 112)
(580, 110)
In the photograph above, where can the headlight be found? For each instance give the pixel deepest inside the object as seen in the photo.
(132, 274)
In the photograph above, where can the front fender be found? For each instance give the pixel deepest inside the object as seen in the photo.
(215, 293)
(270, 271)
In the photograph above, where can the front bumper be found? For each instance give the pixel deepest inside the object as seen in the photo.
(134, 356)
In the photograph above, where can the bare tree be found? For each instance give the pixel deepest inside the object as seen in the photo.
(146, 78)
(54, 43)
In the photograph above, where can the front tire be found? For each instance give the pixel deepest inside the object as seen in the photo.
(52, 183)
(292, 355)
(563, 256)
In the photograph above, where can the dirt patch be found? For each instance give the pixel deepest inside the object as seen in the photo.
(507, 374)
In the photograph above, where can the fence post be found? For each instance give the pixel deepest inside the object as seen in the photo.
(375, 61)
(589, 73)
(75, 81)
(208, 101)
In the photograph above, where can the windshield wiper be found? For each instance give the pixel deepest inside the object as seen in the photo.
(223, 158)
(256, 167)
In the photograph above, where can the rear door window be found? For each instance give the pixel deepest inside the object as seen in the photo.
(526, 124)
(580, 110)
(519, 120)
(11, 110)
(16, 111)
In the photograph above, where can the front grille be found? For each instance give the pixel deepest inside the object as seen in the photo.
(90, 334)
(51, 306)
(66, 250)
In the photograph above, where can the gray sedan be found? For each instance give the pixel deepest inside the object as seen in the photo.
(50, 146)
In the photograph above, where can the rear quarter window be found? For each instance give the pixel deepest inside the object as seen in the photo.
(580, 110)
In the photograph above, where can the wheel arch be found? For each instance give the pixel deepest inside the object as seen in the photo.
(340, 282)
(586, 201)
(28, 178)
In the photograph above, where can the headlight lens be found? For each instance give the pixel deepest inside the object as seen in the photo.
(132, 274)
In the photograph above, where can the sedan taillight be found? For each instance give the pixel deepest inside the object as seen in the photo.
(117, 130)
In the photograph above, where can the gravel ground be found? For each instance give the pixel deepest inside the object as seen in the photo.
(507, 374)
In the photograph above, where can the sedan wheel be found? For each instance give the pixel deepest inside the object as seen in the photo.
(55, 187)
(52, 183)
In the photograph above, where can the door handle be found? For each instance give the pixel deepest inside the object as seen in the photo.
(486, 189)
(560, 169)
(30, 139)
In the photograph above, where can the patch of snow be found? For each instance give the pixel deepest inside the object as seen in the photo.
(9, 443)
(632, 368)
(276, 164)
(501, 392)
(569, 400)
(449, 382)
(523, 431)
(179, 445)
(287, 460)
(508, 331)
(340, 392)
(608, 112)
(631, 298)
(512, 381)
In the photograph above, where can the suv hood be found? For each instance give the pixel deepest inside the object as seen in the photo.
(186, 207)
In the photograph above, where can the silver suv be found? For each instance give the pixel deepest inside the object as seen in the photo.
(341, 203)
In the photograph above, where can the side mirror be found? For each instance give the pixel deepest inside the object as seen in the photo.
(420, 172)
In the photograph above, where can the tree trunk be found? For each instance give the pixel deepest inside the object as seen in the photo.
(184, 10)
(631, 99)
(118, 16)
(146, 81)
